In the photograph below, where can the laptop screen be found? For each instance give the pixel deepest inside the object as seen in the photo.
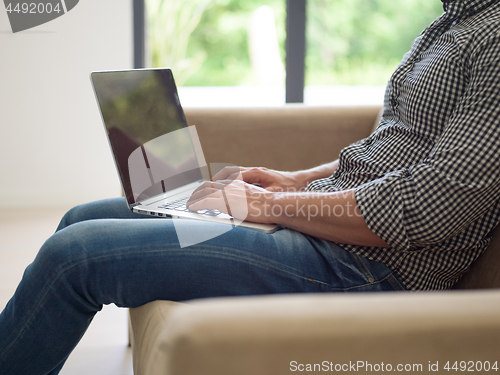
(147, 131)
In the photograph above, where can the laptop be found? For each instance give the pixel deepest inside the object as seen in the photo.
(158, 156)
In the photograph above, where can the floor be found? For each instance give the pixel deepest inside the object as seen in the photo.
(103, 350)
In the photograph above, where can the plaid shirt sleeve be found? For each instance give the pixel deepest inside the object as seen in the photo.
(428, 202)
(427, 180)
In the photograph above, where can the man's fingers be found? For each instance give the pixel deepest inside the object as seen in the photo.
(258, 176)
(214, 201)
(228, 173)
(210, 186)
(209, 203)
(202, 192)
(208, 190)
(217, 195)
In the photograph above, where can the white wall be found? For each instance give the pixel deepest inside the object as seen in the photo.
(53, 150)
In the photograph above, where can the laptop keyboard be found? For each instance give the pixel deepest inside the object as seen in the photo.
(180, 205)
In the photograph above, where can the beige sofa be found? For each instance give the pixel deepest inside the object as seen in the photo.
(420, 332)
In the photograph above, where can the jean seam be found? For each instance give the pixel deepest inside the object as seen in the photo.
(363, 268)
(37, 308)
(395, 282)
(254, 260)
(377, 282)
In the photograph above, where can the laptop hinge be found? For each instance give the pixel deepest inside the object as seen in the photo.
(135, 204)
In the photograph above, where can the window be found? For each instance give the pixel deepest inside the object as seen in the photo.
(226, 52)
(222, 52)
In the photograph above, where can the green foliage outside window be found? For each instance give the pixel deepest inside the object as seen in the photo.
(354, 42)
(358, 42)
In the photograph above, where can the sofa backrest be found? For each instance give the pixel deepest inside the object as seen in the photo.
(290, 137)
(484, 272)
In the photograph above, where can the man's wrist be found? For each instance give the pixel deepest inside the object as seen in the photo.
(302, 179)
(307, 176)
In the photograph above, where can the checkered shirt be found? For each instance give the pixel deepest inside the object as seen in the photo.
(427, 181)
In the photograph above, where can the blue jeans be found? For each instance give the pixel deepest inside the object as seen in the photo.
(102, 253)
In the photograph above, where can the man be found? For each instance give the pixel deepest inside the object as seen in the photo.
(417, 200)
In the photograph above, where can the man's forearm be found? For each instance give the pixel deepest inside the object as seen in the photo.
(331, 216)
(278, 181)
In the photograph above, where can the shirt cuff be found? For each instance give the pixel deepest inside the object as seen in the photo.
(382, 209)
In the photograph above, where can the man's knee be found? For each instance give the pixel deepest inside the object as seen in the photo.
(69, 218)
(115, 207)
(58, 252)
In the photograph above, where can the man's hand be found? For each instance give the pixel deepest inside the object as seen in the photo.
(268, 179)
(246, 193)
(235, 197)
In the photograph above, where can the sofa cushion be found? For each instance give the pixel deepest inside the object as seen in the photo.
(274, 335)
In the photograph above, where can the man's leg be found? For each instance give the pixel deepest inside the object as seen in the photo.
(113, 208)
(90, 262)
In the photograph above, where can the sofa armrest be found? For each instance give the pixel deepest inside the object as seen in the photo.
(290, 137)
(273, 335)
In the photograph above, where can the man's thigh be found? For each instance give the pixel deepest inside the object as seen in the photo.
(130, 262)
